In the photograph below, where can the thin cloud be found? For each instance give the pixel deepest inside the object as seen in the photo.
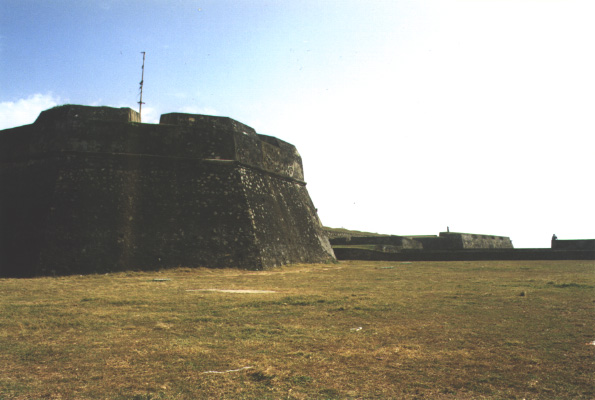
(150, 115)
(199, 110)
(25, 111)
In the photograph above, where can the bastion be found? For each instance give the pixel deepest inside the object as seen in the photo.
(93, 190)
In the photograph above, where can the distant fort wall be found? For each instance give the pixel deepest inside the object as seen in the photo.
(352, 253)
(574, 244)
(452, 246)
(445, 241)
(385, 243)
(457, 240)
(90, 189)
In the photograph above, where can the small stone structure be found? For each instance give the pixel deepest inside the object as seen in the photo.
(445, 241)
(457, 240)
(91, 189)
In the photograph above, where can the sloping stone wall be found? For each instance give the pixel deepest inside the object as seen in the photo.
(86, 192)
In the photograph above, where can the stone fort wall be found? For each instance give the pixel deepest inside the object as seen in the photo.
(388, 243)
(90, 189)
(574, 244)
(445, 241)
(457, 240)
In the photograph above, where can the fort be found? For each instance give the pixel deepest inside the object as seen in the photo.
(449, 246)
(91, 189)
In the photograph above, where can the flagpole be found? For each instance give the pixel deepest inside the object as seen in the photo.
(142, 79)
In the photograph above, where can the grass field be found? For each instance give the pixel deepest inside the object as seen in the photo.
(352, 330)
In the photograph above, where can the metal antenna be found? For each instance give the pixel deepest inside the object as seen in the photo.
(142, 79)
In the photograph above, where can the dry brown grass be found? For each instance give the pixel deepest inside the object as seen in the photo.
(453, 330)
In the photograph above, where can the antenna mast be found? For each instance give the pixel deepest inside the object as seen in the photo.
(142, 79)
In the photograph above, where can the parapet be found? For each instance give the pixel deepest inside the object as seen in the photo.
(72, 113)
(446, 241)
(108, 131)
(475, 241)
(206, 122)
(261, 151)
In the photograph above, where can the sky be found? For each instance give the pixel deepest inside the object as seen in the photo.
(410, 116)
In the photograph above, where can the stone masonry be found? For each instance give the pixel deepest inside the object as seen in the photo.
(91, 189)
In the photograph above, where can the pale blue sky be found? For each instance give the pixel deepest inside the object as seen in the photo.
(410, 116)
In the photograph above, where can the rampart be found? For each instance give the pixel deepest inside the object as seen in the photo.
(457, 240)
(453, 246)
(574, 244)
(385, 243)
(90, 189)
(346, 253)
(445, 241)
